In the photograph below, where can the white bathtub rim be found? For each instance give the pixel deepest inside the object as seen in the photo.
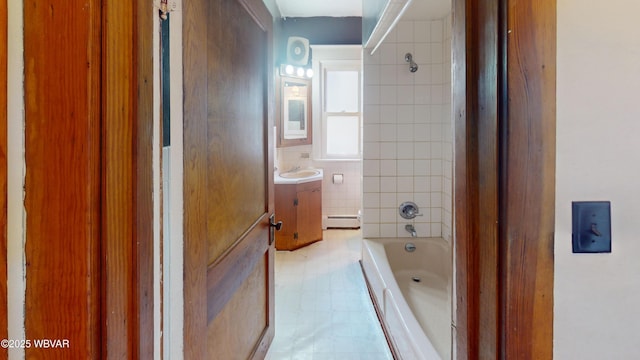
(411, 326)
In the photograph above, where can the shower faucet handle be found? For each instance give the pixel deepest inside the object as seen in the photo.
(414, 212)
(409, 210)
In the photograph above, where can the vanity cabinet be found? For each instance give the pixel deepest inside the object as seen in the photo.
(299, 207)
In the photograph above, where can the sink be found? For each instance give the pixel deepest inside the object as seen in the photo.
(300, 174)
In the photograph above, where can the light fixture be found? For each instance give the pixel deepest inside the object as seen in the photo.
(296, 71)
(288, 69)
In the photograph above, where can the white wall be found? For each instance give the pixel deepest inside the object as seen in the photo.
(16, 216)
(172, 269)
(597, 315)
(407, 130)
(168, 274)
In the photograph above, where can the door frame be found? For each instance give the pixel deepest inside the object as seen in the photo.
(4, 331)
(117, 319)
(127, 168)
(504, 108)
(487, 254)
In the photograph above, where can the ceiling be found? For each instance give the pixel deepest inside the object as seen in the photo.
(419, 9)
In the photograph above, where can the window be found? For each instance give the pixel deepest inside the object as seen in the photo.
(340, 89)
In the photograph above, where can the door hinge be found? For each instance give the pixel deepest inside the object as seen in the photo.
(295, 236)
(295, 202)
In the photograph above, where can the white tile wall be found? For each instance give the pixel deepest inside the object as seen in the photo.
(408, 137)
(447, 137)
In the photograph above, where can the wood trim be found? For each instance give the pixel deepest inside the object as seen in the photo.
(144, 160)
(504, 105)
(118, 239)
(529, 192)
(464, 323)
(128, 180)
(485, 26)
(89, 181)
(127, 214)
(62, 181)
(265, 16)
(3, 176)
(475, 84)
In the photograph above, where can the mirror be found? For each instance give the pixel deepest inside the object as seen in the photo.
(294, 125)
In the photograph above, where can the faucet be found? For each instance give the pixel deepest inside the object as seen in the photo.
(411, 230)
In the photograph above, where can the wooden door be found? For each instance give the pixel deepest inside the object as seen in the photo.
(228, 179)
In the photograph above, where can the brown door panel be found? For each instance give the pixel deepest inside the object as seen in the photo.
(231, 270)
(228, 191)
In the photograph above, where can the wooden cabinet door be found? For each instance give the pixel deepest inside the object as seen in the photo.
(309, 214)
(228, 179)
(299, 207)
(286, 211)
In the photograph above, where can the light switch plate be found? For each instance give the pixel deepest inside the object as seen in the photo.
(591, 226)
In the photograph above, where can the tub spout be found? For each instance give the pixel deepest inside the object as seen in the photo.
(411, 230)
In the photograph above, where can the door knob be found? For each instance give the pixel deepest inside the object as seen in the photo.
(277, 225)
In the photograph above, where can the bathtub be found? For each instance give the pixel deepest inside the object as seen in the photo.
(412, 294)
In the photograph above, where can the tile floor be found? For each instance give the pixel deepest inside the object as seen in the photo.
(323, 309)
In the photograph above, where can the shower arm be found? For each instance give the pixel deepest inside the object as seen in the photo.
(413, 67)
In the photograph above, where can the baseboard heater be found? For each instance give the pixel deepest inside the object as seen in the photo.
(341, 222)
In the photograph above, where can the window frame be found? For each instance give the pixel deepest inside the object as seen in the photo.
(323, 55)
(326, 66)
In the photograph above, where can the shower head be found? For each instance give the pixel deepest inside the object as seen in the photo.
(413, 67)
